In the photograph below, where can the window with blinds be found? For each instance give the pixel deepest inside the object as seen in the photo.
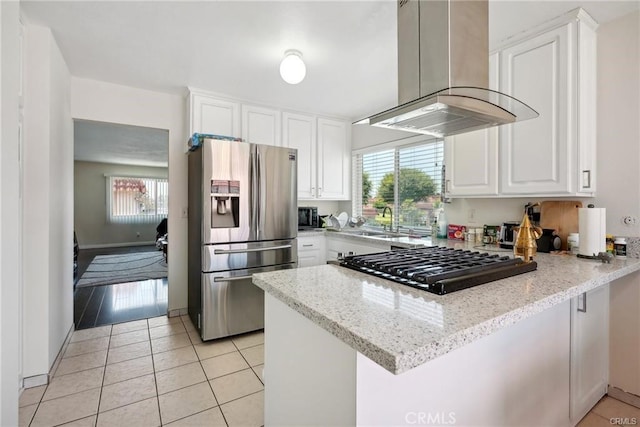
(407, 180)
(137, 200)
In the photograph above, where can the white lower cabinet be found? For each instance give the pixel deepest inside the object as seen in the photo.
(311, 250)
(589, 350)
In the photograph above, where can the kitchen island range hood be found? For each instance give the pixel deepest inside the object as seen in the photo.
(443, 72)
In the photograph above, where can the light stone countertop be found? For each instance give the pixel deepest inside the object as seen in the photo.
(400, 327)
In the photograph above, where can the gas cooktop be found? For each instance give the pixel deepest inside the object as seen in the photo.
(437, 269)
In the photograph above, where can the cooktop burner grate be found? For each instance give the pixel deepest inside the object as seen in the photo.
(437, 269)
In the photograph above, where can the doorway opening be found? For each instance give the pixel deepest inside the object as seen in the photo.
(120, 212)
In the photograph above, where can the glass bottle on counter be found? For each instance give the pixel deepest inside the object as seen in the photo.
(442, 225)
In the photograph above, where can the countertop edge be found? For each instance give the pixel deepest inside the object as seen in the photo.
(407, 361)
(360, 344)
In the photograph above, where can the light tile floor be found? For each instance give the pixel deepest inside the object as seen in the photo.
(158, 371)
(151, 372)
(609, 412)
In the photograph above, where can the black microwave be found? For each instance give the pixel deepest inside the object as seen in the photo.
(308, 218)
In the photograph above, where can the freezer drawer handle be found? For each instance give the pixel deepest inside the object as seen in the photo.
(230, 279)
(241, 251)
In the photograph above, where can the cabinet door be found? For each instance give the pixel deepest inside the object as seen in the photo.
(589, 350)
(471, 159)
(537, 156)
(587, 110)
(299, 131)
(261, 125)
(472, 163)
(311, 251)
(214, 116)
(334, 160)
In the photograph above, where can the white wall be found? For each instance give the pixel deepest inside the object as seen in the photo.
(107, 102)
(48, 202)
(619, 122)
(9, 221)
(619, 181)
(90, 222)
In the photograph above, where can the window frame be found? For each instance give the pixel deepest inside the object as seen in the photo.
(397, 146)
(136, 218)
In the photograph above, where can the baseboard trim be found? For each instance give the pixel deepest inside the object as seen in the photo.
(43, 379)
(35, 381)
(115, 245)
(178, 312)
(624, 396)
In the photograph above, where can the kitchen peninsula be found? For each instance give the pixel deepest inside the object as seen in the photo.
(345, 348)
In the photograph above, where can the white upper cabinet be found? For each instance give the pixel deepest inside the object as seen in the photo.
(553, 71)
(324, 155)
(552, 68)
(324, 145)
(299, 132)
(334, 160)
(214, 116)
(261, 125)
(471, 159)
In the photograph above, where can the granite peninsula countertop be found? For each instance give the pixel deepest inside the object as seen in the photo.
(400, 327)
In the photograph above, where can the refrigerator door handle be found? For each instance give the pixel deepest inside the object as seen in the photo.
(253, 179)
(230, 279)
(242, 251)
(258, 191)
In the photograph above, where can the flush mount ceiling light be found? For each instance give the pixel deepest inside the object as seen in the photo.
(292, 68)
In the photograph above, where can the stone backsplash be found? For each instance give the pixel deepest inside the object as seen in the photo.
(633, 247)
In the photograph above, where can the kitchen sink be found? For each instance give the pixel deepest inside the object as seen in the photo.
(375, 234)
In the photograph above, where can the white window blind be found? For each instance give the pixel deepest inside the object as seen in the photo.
(137, 200)
(405, 179)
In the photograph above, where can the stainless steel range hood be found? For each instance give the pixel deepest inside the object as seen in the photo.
(443, 72)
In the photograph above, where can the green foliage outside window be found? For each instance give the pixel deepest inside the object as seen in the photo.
(367, 186)
(413, 184)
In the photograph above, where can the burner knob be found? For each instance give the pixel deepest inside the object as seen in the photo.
(340, 256)
(351, 253)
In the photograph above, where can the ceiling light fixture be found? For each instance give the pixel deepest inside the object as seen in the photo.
(292, 68)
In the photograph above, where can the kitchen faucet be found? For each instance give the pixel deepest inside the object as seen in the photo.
(384, 211)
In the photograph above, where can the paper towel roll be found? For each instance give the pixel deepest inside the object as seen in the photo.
(592, 226)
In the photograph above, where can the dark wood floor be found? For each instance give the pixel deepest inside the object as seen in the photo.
(108, 304)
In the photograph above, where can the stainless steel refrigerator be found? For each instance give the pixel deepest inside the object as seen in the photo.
(242, 220)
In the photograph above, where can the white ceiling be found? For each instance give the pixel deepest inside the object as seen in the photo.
(120, 144)
(234, 47)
